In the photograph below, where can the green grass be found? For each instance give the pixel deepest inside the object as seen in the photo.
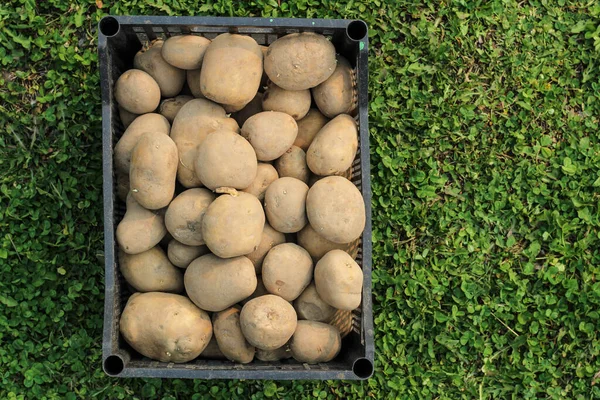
(486, 174)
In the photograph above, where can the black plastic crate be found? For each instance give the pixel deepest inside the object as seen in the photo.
(119, 38)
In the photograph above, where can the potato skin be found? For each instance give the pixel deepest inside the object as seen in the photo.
(339, 280)
(225, 159)
(337, 94)
(293, 164)
(270, 238)
(137, 92)
(333, 149)
(308, 127)
(310, 306)
(231, 340)
(231, 70)
(170, 79)
(193, 80)
(215, 284)
(212, 351)
(233, 224)
(300, 61)
(336, 209)
(260, 290)
(250, 109)
(316, 245)
(285, 204)
(270, 133)
(170, 107)
(287, 270)
(185, 51)
(182, 255)
(165, 327)
(140, 229)
(184, 216)
(122, 181)
(265, 175)
(268, 322)
(315, 342)
(282, 353)
(151, 271)
(126, 117)
(295, 103)
(153, 170)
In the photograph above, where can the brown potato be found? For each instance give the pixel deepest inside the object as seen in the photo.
(260, 290)
(339, 280)
(144, 123)
(165, 327)
(252, 108)
(230, 338)
(170, 107)
(285, 204)
(140, 229)
(295, 103)
(300, 61)
(193, 82)
(265, 175)
(151, 271)
(264, 80)
(287, 270)
(268, 322)
(126, 117)
(184, 216)
(137, 92)
(282, 353)
(316, 245)
(169, 78)
(212, 351)
(333, 149)
(315, 342)
(215, 284)
(270, 133)
(153, 170)
(310, 306)
(336, 209)
(226, 160)
(337, 95)
(270, 238)
(122, 185)
(308, 127)
(293, 164)
(233, 225)
(185, 51)
(231, 70)
(182, 255)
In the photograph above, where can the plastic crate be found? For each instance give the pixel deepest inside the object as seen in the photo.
(119, 38)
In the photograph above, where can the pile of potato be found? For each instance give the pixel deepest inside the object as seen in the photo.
(233, 159)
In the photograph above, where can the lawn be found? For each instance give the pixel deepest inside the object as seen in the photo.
(485, 154)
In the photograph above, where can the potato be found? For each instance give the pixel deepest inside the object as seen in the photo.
(169, 78)
(316, 245)
(335, 209)
(268, 322)
(215, 284)
(339, 280)
(270, 238)
(333, 149)
(281, 353)
(231, 340)
(293, 164)
(193, 82)
(337, 95)
(182, 255)
(315, 342)
(260, 290)
(265, 175)
(165, 327)
(252, 108)
(144, 123)
(184, 216)
(225, 160)
(185, 51)
(153, 170)
(170, 107)
(122, 181)
(137, 92)
(140, 229)
(285, 204)
(231, 70)
(287, 270)
(295, 103)
(212, 351)
(300, 61)
(308, 127)
(270, 133)
(126, 117)
(264, 79)
(233, 225)
(151, 271)
(309, 305)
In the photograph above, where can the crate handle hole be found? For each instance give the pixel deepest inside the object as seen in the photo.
(357, 30)
(113, 365)
(363, 368)
(109, 26)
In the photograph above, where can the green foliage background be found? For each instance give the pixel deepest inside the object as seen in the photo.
(485, 165)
